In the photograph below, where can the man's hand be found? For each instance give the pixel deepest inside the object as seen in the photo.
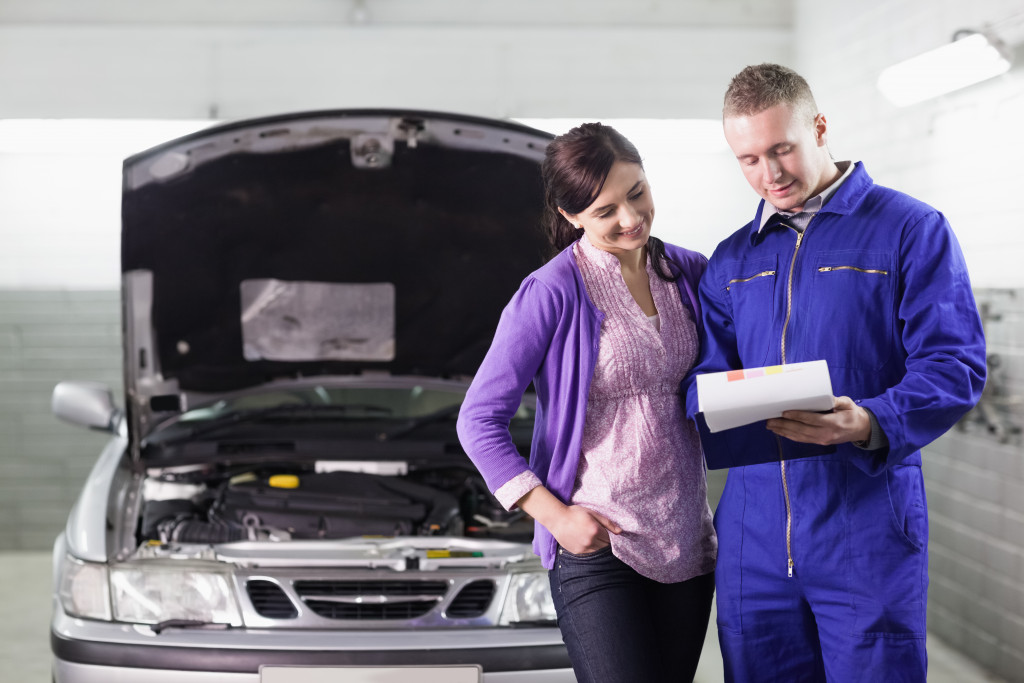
(847, 422)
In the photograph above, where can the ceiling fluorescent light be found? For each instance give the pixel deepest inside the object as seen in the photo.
(958, 64)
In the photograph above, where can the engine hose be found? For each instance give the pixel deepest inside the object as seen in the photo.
(195, 531)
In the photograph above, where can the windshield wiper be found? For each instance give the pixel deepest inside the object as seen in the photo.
(304, 411)
(417, 422)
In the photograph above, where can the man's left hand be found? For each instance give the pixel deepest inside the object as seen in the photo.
(847, 422)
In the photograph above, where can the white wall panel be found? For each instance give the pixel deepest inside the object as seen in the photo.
(48, 240)
(754, 13)
(60, 199)
(189, 72)
(958, 152)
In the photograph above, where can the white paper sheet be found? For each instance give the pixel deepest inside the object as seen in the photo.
(738, 397)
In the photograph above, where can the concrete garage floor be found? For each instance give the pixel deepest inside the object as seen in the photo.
(25, 617)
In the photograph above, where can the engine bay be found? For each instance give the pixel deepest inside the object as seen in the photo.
(321, 500)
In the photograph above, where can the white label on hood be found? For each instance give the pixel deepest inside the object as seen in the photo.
(310, 321)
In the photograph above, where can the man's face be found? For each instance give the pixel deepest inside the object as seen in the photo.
(782, 155)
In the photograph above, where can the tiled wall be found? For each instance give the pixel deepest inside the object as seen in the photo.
(46, 337)
(974, 479)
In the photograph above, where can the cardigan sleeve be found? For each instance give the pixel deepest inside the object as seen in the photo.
(509, 493)
(519, 348)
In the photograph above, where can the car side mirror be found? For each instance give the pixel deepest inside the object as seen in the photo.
(87, 404)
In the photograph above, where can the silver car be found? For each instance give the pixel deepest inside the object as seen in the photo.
(283, 498)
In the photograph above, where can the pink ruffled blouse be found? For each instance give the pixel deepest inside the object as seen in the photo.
(641, 462)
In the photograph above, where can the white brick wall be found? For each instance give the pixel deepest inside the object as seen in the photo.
(112, 58)
(959, 152)
(46, 337)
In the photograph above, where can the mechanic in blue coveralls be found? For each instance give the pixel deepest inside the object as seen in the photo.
(822, 571)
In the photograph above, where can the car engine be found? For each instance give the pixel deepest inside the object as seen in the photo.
(285, 502)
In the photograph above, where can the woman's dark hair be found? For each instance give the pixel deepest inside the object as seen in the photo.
(574, 170)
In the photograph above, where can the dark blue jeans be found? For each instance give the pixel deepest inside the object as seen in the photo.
(620, 626)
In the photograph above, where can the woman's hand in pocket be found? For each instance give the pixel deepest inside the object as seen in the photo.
(580, 530)
(577, 529)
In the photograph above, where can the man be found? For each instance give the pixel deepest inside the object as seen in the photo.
(822, 570)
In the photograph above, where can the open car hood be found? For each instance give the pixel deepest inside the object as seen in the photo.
(322, 243)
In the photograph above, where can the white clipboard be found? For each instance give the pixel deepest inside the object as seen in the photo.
(739, 397)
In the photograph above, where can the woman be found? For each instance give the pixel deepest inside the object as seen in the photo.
(606, 330)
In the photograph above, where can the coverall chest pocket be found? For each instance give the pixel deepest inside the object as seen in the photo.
(855, 292)
(750, 290)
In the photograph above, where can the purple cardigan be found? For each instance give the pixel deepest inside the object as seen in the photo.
(548, 334)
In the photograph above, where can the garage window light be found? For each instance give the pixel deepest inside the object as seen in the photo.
(971, 58)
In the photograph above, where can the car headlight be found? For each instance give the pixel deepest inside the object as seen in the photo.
(528, 600)
(154, 594)
(83, 589)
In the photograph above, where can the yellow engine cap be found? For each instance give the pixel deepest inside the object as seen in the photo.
(284, 481)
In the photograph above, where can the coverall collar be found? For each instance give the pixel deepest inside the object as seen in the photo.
(840, 197)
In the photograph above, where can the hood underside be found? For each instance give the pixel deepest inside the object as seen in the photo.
(323, 243)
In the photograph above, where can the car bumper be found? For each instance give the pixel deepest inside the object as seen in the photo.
(86, 651)
(68, 672)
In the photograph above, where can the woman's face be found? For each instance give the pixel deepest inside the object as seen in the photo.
(619, 220)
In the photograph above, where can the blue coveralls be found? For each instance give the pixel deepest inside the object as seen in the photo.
(822, 570)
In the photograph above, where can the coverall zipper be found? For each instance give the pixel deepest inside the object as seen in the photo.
(764, 273)
(829, 269)
(782, 463)
(785, 325)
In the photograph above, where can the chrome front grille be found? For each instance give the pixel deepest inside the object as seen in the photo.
(269, 600)
(472, 601)
(371, 599)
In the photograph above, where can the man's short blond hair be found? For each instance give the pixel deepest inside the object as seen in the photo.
(764, 86)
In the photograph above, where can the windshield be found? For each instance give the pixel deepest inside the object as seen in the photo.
(320, 411)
